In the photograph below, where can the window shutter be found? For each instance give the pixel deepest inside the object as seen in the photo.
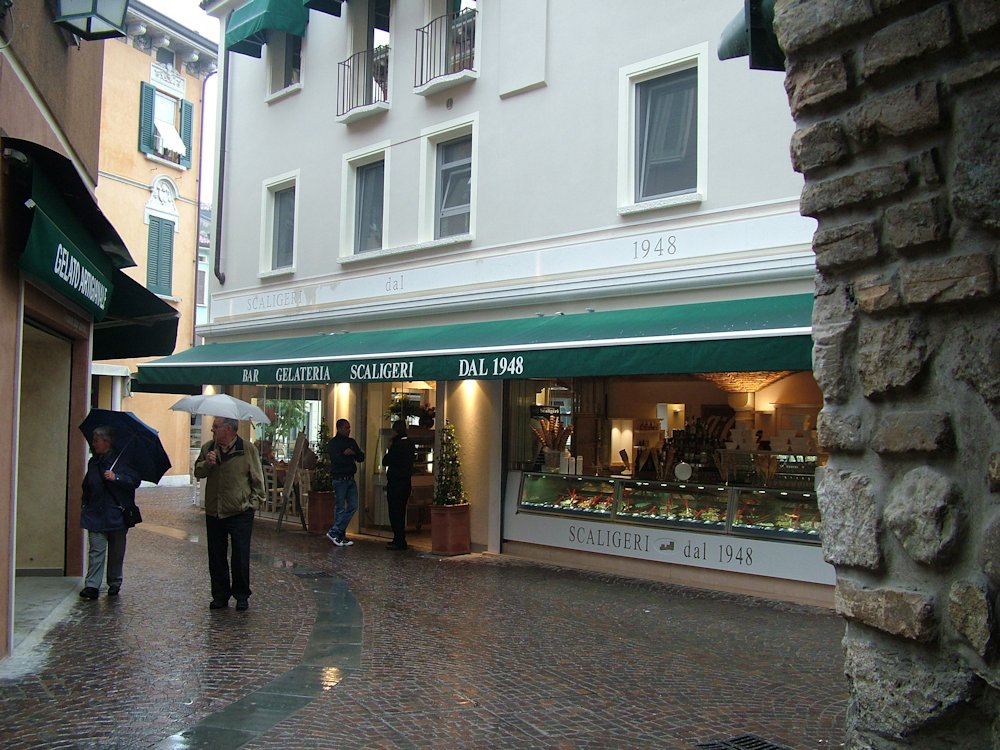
(160, 256)
(146, 99)
(187, 126)
(165, 276)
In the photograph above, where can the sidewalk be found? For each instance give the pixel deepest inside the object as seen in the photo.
(360, 647)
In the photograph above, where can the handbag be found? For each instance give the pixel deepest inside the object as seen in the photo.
(132, 515)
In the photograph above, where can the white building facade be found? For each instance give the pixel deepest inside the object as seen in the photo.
(528, 213)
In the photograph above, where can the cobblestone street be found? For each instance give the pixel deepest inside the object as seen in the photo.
(361, 647)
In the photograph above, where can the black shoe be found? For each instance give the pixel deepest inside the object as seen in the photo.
(242, 605)
(113, 589)
(216, 604)
(89, 593)
(396, 546)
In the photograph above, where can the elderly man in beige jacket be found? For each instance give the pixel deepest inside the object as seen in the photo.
(234, 489)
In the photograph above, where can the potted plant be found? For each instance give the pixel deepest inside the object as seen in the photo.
(450, 521)
(321, 505)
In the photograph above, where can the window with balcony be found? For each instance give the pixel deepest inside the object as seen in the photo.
(279, 213)
(446, 47)
(662, 131)
(165, 125)
(363, 78)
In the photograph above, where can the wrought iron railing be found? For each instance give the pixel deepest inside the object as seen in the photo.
(444, 46)
(363, 79)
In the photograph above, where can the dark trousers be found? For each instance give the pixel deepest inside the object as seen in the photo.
(396, 494)
(223, 534)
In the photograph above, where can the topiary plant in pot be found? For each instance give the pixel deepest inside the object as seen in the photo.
(450, 521)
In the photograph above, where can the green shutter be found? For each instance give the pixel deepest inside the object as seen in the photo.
(160, 256)
(187, 127)
(146, 99)
(165, 276)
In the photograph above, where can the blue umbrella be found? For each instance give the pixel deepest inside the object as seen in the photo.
(137, 444)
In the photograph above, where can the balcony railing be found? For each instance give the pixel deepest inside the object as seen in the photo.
(444, 46)
(363, 79)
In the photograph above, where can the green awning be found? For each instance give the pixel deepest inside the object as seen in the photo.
(247, 29)
(138, 323)
(771, 333)
(62, 254)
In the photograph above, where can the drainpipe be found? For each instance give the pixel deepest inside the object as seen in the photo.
(221, 175)
(201, 155)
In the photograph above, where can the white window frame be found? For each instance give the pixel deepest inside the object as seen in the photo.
(629, 77)
(270, 188)
(427, 199)
(275, 50)
(349, 190)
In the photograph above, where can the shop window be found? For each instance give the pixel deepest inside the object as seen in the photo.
(165, 125)
(284, 52)
(662, 132)
(160, 256)
(279, 213)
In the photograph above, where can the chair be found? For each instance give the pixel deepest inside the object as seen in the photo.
(272, 490)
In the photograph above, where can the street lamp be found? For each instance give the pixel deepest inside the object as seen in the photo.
(92, 19)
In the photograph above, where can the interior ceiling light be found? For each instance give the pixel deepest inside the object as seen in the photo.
(743, 382)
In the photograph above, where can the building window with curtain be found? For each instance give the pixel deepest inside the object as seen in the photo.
(285, 61)
(666, 136)
(160, 256)
(166, 125)
(454, 187)
(662, 131)
(369, 202)
(279, 224)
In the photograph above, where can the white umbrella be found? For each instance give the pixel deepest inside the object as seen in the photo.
(221, 405)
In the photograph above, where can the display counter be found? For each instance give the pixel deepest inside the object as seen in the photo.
(788, 515)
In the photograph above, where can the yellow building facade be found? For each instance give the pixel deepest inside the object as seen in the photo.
(151, 144)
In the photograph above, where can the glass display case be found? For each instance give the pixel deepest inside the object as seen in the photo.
(784, 514)
(789, 515)
(702, 506)
(593, 497)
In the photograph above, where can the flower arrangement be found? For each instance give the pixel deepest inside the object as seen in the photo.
(401, 408)
(552, 433)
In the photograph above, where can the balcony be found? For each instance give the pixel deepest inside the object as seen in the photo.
(363, 84)
(445, 52)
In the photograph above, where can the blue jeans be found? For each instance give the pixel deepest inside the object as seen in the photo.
(345, 492)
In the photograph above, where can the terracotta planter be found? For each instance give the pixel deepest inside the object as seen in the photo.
(450, 531)
(320, 512)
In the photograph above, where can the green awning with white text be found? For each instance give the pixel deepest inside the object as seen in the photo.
(770, 333)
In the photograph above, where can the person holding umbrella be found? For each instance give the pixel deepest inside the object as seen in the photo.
(108, 495)
(233, 490)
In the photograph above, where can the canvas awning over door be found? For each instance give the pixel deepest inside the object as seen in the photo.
(247, 29)
(772, 333)
(75, 251)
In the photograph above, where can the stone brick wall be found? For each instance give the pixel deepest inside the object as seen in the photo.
(897, 105)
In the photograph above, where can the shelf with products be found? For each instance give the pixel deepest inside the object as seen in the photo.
(700, 506)
(593, 497)
(775, 513)
(789, 515)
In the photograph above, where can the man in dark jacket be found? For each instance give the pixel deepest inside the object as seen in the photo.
(398, 462)
(108, 488)
(345, 454)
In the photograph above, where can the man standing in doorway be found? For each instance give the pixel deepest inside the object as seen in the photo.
(345, 454)
(233, 490)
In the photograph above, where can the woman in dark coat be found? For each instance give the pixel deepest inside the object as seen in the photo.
(108, 489)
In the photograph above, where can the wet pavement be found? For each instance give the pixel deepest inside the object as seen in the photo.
(360, 647)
